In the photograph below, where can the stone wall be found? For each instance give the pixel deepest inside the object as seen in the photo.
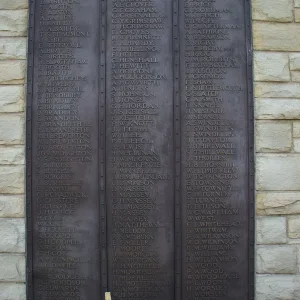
(13, 26)
(276, 36)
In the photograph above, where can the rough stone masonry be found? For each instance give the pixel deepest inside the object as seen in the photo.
(276, 41)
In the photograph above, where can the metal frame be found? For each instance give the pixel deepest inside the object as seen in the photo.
(28, 145)
(251, 151)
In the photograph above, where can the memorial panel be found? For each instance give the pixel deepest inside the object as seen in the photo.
(215, 150)
(64, 157)
(139, 160)
(139, 150)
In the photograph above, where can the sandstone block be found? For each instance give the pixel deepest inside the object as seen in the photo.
(276, 259)
(13, 22)
(295, 61)
(278, 203)
(297, 14)
(12, 71)
(296, 129)
(11, 129)
(13, 4)
(271, 66)
(12, 48)
(11, 179)
(278, 172)
(278, 287)
(12, 267)
(271, 230)
(11, 98)
(269, 109)
(295, 76)
(13, 155)
(268, 10)
(11, 206)
(12, 291)
(296, 147)
(273, 136)
(276, 36)
(12, 235)
(294, 227)
(276, 90)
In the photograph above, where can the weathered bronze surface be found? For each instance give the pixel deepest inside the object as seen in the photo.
(139, 150)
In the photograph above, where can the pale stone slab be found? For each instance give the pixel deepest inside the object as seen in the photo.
(276, 90)
(278, 203)
(12, 155)
(297, 3)
(276, 259)
(12, 48)
(11, 129)
(12, 291)
(11, 98)
(269, 10)
(12, 267)
(270, 109)
(296, 129)
(294, 227)
(278, 172)
(13, 22)
(12, 235)
(12, 71)
(295, 76)
(273, 136)
(276, 36)
(296, 145)
(11, 179)
(278, 287)
(297, 14)
(13, 4)
(11, 206)
(295, 61)
(271, 230)
(271, 66)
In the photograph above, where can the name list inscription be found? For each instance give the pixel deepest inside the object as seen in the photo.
(214, 157)
(139, 150)
(175, 126)
(65, 208)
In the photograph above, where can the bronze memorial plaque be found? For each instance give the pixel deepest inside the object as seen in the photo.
(139, 170)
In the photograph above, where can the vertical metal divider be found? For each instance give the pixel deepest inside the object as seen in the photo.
(28, 148)
(251, 170)
(177, 152)
(102, 150)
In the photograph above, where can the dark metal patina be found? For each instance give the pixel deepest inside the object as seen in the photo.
(139, 150)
